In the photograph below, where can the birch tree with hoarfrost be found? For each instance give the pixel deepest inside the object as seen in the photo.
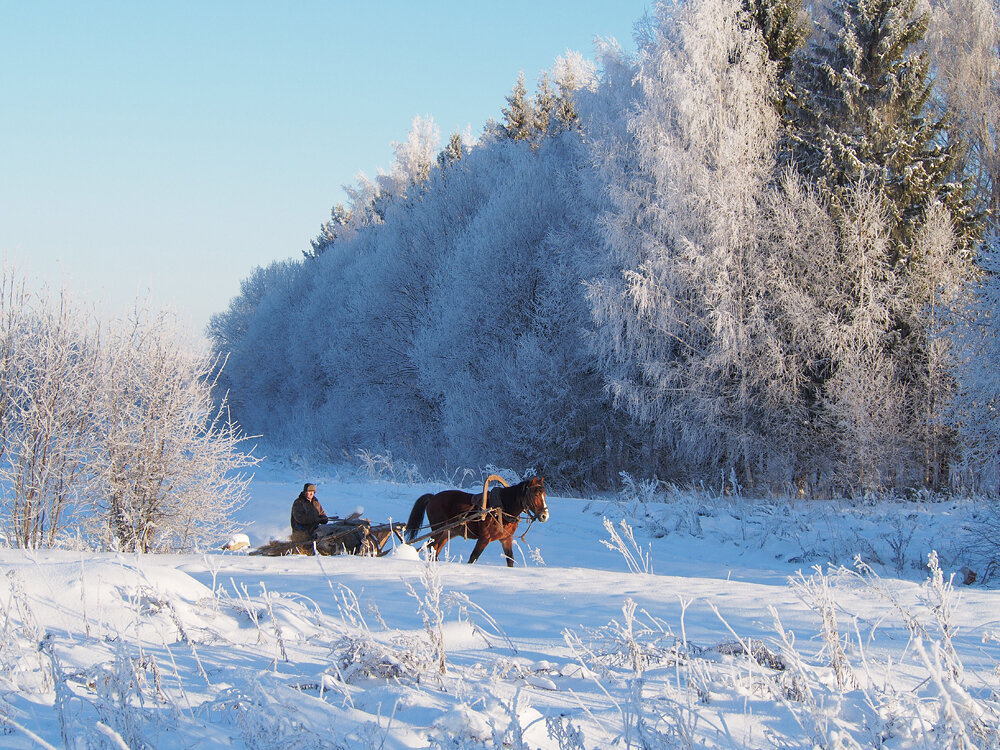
(48, 358)
(964, 42)
(166, 472)
(975, 335)
(863, 400)
(686, 333)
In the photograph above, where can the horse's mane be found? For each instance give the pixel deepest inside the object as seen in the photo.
(510, 497)
(516, 493)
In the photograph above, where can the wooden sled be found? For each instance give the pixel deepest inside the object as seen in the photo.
(339, 536)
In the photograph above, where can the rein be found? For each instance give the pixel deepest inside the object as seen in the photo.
(527, 514)
(531, 520)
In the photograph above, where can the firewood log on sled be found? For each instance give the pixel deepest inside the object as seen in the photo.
(339, 536)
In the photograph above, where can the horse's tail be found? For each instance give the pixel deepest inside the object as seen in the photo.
(416, 517)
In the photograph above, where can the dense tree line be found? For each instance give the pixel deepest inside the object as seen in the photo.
(757, 248)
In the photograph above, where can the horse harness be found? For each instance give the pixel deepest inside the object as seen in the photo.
(494, 507)
(489, 506)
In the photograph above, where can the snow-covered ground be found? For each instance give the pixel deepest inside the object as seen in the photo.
(713, 629)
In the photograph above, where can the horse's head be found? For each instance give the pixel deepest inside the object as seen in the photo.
(534, 499)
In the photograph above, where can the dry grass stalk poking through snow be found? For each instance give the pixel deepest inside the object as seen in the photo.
(624, 542)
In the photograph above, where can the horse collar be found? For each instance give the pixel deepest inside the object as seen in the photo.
(493, 499)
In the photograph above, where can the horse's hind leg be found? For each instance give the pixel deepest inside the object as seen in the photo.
(437, 543)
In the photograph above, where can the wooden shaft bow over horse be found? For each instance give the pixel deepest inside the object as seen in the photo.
(486, 486)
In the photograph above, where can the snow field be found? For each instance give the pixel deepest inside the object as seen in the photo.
(732, 641)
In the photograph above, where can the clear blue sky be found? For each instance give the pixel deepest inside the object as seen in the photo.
(166, 149)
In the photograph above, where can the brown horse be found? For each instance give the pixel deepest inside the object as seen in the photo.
(504, 508)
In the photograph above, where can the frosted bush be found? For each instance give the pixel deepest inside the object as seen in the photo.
(110, 434)
(641, 491)
(385, 466)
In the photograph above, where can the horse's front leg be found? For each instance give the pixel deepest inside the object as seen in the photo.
(508, 549)
(481, 543)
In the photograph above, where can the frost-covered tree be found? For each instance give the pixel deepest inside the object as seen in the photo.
(109, 431)
(500, 348)
(257, 322)
(519, 114)
(863, 398)
(488, 303)
(552, 110)
(935, 283)
(572, 73)
(414, 158)
(48, 392)
(867, 340)
(331, 230)
(864, 131)
(452, 152)
(964, 39)
(166, 473)
(685, 330)
(450, 330)
(964, 42)
(365, 341)
(368, 199)
(974, 334)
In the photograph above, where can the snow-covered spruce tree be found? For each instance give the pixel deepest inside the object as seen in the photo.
(687, 332)
(544, 107)
(519, 114)
(860, 114)
(784, 27)
(452, 152)
(330, 231)
(552, 110)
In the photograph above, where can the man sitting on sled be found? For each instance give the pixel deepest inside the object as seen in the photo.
(307, 515)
